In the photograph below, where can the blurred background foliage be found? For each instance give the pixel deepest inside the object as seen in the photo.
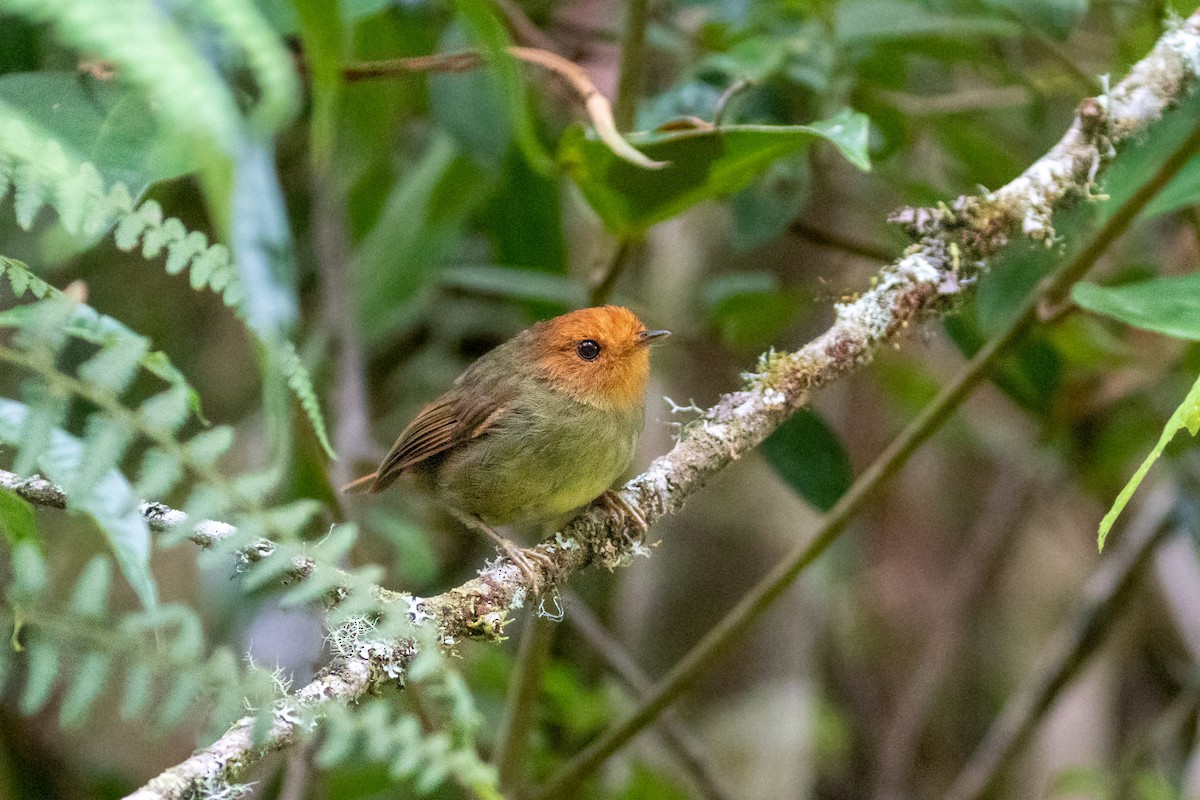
(394, 228)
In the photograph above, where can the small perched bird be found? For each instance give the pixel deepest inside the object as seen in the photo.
(537, 427)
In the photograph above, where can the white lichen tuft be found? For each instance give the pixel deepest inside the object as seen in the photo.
(773, 398)
(416, 614)
(917, 268)
(1186, 43)
(565, 542)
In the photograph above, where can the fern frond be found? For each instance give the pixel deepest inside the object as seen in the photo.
(427, 758)
(300, 382)
(40, 173)
(149, 51)
(154, 657)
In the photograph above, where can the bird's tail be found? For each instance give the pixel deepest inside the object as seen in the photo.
(359, 485)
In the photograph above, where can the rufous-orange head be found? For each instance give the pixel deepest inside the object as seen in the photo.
(598, 356)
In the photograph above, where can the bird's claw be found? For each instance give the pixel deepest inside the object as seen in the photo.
(523, 560)
(628, 513)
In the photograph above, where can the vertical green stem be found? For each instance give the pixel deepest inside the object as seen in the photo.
(633, 57)
(521, 705)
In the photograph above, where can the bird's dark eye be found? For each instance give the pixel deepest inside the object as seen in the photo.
(588, 349)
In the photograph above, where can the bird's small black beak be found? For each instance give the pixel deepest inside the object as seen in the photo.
(648, 337)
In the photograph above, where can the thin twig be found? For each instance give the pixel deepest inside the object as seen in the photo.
(633, 58)
(352, 428)
(595, 103)
(522, 28)
(765, 592)
(1107, 593)
(603, 287)
(839, 241)
(670, 726)
(1089, 83)
(521, 705)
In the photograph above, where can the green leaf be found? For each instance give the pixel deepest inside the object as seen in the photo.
(513, 283)
(90, 596)
(43, 663)
(1183, 191)
(151, 52)
(764, 209)
(29, 572)
(139, 683)
(488, 27)
(703, 164)
(86, 685)
(17, 523)
(110, 501)
(749, 309)
(458, 101)
(208, 446)
(262, 243)
(869, 22)
(179, 700)
(1186, 416)
(420, 222)
(104, 123)
(1170, 306)
(1055, 17)
(808, 455)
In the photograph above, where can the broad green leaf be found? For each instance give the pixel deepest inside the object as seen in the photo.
(1143, 157)
(703, 164)
(515, 284)
(104, 123)
(488, 27)
(458, 101)
(17, 523)
(749, 309)
(1170, 306)
(1054, 17)
(525, 218)
(421, 221)
(808, 455)
(262, 242)
(764, 209)
(1183, 191)
(878, 21)
(150, 51)
(1186, 416)
(110, 501)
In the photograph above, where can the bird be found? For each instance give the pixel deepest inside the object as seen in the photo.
(534, 429)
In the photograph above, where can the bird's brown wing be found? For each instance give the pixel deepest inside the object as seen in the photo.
(452, 419)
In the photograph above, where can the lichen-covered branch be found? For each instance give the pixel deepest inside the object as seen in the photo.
(953, 243)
